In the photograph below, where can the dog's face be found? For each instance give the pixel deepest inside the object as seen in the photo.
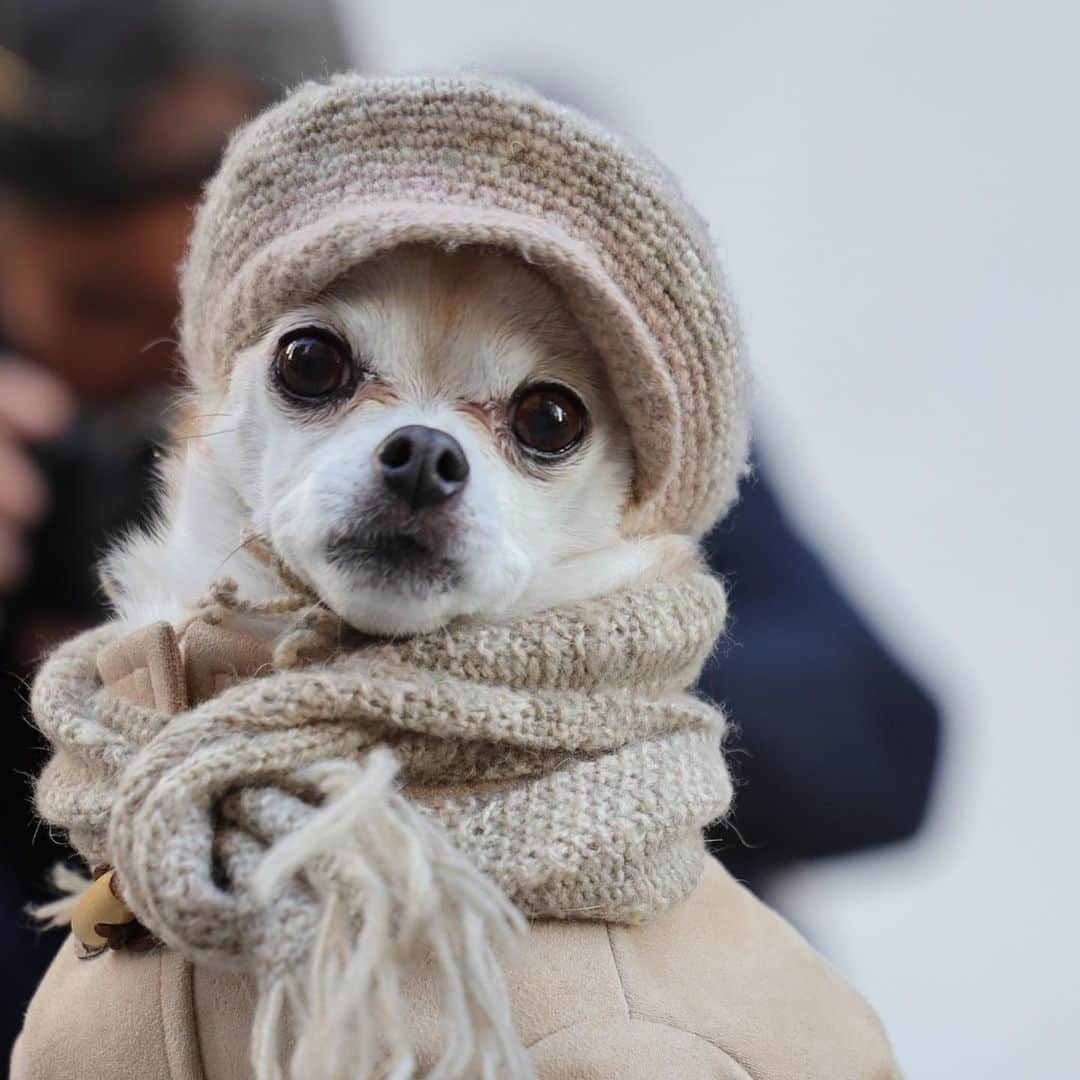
(434, 437)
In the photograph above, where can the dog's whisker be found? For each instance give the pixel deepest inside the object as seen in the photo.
(159, 341)
(205, 434)
(243, 544)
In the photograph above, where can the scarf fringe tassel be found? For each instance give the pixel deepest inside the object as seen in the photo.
(394, 894)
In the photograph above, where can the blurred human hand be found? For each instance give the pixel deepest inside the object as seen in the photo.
(34, 406)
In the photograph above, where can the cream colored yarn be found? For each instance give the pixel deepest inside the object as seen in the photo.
(555, 764)
(340, 172)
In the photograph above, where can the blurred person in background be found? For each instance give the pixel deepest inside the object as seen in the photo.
(112, 115)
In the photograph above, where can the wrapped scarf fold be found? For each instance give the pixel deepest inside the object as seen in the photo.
(332, 827)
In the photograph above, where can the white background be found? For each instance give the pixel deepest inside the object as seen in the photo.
(893, 189)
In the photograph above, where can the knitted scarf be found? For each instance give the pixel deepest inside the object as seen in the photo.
(334, 826)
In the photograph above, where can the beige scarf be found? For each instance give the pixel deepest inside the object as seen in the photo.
(332, 826)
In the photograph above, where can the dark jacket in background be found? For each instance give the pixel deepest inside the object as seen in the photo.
(99, 487)
(836, 743)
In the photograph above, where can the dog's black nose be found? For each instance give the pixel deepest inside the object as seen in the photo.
(422, 465)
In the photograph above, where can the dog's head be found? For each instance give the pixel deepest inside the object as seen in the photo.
(433, 437)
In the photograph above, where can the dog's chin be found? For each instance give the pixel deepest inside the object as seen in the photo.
(390, 583)
(385, 611)
(411, 566)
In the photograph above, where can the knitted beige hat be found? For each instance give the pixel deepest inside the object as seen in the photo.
(343, 171)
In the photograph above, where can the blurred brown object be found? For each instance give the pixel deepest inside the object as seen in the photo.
(89, 290)
(33, 407)
(112, 114)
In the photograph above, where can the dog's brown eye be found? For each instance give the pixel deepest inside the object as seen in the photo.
(548, 420)
(312, 364)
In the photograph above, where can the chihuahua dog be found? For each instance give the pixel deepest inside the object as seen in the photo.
(434, 437)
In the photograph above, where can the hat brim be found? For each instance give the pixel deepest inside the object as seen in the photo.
(298, 266)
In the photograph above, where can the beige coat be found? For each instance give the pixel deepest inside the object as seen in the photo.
(719, 987)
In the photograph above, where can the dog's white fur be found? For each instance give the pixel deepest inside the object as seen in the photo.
(445, 340)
